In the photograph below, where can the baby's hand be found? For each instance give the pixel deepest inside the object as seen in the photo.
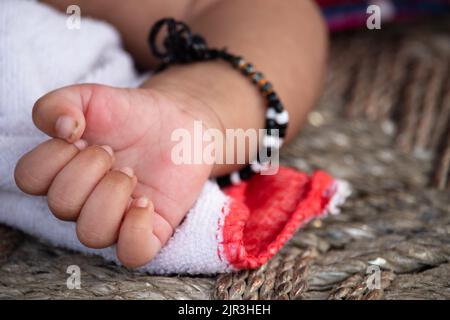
(104, 181)
(81, 186)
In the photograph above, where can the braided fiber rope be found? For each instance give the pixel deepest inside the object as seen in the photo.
(403, 76)
(283, 277)
(383, 123)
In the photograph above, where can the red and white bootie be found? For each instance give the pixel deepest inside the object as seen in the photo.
(243, 226)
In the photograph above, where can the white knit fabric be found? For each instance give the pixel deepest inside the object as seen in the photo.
(38, 53)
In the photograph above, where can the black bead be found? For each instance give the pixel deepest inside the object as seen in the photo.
(224, 181)
(271, 123)
(271, 131)
(248, 69)
(213, 54)
(277, 105)
(282, 131)
(266, 87)
(236, 61)
(246, 173)
(272, 97)
(226, 56)
(257, 76)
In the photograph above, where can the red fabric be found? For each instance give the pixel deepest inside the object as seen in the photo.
(324, 3)
(267, 210)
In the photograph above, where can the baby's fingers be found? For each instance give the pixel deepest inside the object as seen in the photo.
(137, 244)
(36, 170)
(74, 183)
(100, 218)
(60, 113)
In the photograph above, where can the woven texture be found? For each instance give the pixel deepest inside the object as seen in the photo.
(402, 76)
(382, 124)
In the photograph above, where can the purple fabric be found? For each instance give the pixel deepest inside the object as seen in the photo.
(347, 14)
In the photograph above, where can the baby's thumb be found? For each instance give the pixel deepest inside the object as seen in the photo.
(60, 113)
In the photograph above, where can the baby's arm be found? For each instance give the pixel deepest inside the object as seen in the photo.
(128, 191)
(286, 40)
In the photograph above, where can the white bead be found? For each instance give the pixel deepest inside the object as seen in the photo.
(235, 178)
(282, 117)
(256, 167)
(271, 113)
(264, 166)
(272, 142)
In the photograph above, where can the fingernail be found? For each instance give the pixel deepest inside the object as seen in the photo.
(128, 171)
(108, 149)
(142, 202)
(81, 144)
(65, 127)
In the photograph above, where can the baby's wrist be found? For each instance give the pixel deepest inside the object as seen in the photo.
(190, 97)
(217, 95)
(215, 92)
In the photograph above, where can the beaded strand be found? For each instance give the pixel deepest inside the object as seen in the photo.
(184, 47)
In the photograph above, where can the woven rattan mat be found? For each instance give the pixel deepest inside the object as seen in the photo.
(383, 123)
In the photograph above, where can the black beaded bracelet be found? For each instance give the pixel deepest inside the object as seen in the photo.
(182, 46)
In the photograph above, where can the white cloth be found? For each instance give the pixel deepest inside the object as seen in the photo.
(38, 53)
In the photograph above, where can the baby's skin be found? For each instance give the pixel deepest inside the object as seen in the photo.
(107, 165)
